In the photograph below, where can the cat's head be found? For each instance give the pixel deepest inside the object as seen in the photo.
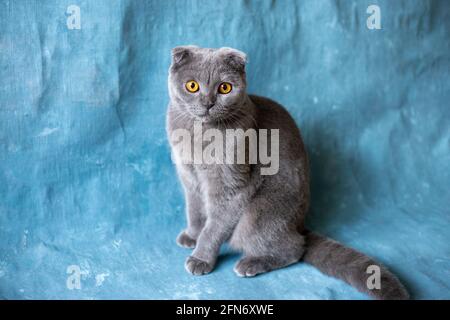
(208, 84)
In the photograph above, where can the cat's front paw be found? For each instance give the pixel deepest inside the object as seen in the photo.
(197, 267)
(185, 241)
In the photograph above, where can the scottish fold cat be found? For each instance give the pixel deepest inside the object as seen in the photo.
(260, 215)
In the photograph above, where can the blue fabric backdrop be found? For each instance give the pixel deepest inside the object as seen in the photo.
(85, 172)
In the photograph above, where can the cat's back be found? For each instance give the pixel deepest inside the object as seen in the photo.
(271, 115)
(292, 178)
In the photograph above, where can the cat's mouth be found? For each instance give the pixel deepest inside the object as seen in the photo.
(206, 117)
(203, 116)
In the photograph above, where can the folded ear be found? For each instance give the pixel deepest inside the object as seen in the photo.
(234, 58)
(181, 54)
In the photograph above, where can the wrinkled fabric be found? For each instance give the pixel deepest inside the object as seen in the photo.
(86, 177)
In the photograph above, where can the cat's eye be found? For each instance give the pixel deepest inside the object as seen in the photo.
(192, 86)
(225, 87)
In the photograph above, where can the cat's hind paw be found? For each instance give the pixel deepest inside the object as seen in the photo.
(197, 267)
(185, 241)
(250, 267)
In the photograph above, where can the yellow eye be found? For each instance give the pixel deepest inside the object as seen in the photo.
(192, 86)
(225, 87)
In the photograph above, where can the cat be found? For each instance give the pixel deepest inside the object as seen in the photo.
(261, 216)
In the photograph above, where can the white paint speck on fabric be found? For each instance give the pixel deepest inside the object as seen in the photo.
(47, 131)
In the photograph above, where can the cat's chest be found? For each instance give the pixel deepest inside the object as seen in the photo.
(212, 151)
(222, 171)
(222, 178)
(211, 158)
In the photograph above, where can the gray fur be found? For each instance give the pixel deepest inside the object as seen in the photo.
(261, 216)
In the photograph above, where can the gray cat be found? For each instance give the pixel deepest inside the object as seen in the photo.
(261, 216)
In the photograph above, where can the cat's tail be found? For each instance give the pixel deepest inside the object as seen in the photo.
(336, 260)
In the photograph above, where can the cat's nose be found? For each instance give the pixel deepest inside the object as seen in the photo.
(209, 106)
